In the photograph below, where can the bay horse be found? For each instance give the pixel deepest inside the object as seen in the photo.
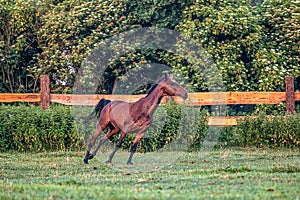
(136, 117)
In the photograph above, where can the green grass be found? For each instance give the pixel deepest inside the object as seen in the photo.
(219, 174)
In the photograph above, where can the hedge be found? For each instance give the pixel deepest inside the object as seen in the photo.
(28, 128)
(264, 131)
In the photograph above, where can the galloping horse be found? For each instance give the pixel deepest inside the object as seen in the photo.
(136, 117)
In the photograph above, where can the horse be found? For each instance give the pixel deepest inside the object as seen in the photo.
(130, 117)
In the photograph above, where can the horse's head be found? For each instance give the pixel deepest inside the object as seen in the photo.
(171, 88)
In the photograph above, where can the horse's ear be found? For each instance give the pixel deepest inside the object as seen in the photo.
(168, 76)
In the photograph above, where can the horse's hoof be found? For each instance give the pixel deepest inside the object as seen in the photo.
(86, 161)
(108, 162)
(90, 156)
(129, 163)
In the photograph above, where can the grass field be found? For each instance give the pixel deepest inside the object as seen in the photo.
(219, 174)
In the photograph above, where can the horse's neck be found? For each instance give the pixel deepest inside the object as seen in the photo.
(152, 100)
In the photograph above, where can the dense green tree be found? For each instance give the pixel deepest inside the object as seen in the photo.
(73, 29)
(230, 33)
(164, 14)
(280, 55)
(253, 47)
(18, 44)
(70, 31)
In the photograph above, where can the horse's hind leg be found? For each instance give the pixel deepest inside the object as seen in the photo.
(99, 129)
(118, 145)
(108, 135)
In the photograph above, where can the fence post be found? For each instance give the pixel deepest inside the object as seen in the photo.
(45, 91)
(290, 94)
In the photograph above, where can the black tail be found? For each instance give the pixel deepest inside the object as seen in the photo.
(96, 112)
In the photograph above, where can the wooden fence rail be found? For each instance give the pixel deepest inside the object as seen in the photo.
(195, 99)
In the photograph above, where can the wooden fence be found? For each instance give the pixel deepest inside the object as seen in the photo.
(195, 99)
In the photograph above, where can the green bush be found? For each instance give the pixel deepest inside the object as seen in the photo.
(262, 131)
(28, 128)
(175, 127)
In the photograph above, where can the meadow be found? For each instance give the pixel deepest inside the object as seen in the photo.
(230, 173)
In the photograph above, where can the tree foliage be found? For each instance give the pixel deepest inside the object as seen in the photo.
(243, 49)
(253, 47)
(19, 23)
(229, 32)
(71, 30)
(280, 20)
(164, 14)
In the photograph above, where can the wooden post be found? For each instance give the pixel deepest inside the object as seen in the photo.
(290, 94)
(45, 91)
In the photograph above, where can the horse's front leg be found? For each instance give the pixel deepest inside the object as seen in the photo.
(108, 135)
(118, 145)
(136, 141)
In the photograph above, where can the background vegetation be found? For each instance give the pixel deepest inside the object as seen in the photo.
(253, 45)
(28, 128)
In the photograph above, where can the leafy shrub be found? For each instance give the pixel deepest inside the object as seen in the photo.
(175, 127)
(28, 128)
(271, 131)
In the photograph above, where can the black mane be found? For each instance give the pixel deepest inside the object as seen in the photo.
(151, 88)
